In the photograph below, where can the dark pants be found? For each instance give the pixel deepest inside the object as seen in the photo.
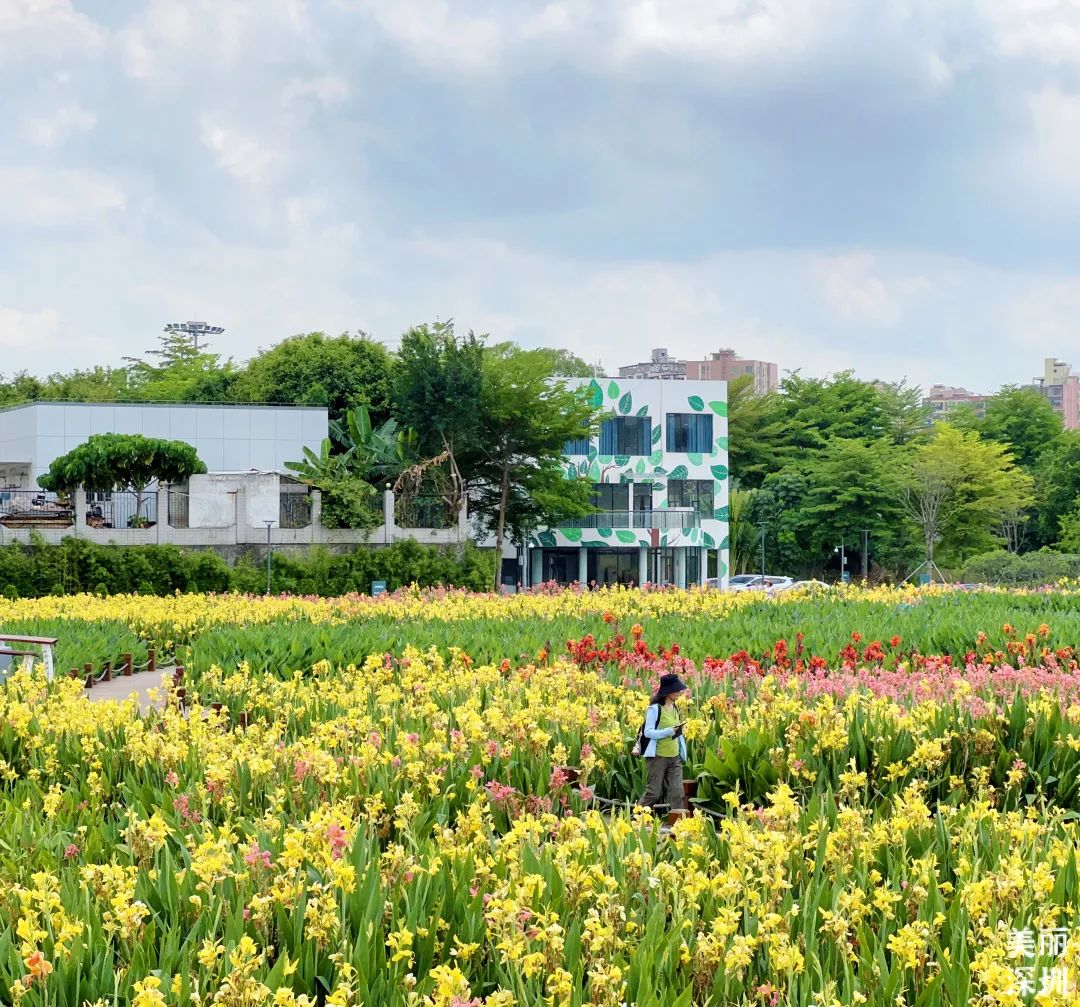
(664, 785)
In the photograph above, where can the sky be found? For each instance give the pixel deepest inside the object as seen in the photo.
(890, 186)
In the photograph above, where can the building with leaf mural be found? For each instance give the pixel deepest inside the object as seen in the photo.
(659, 469)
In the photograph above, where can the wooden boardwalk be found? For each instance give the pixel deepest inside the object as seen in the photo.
(123, 687)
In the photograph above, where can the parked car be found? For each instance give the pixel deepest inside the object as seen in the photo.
(810, 585)
(769, 584)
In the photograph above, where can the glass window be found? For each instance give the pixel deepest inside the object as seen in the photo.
(643, 496)
(695, 493)
(578, 446)
(611, 496)
(626, 435)
(689, 432)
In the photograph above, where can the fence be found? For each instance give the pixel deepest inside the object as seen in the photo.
(425, 511)
(178, 509)
(663, 517)
(34, 509)
(294, 510)
(121, 509)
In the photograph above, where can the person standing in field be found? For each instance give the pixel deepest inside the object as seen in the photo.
(665, 748)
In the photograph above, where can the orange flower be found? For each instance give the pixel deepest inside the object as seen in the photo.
(36, 966)
(1007, 629)
(1044, 630)
(636, 631)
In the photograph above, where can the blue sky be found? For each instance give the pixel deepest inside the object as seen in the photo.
(887, 185)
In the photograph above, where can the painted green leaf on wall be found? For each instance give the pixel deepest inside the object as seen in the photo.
(726, 543)
(626, 535)
(622, 460)
(546, 539)
(640, 467)
(720, 408)
(696, 402)
(656, 457)
(571, 471)
(657, 486)
(595, 394)
(659, 471)
(604, 459)
(679, 472)
(721, 568)
(626, 477)
(626, 403)
(663, 503)
(593, 544)
(583, 469)
(722, 514)
(594, 472)
(708, 541)
(656, 435)
(721, 444)
(720, 472)
(613, 390)
(643, 411)
(604, 532)
(592, 452)
(694, 458)
(571, 534)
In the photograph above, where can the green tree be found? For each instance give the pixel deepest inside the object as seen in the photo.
(905, 412)
(742, 532)
(1057, 484)
(437, 390)
(525, 418)
(179, 371)
(1024, 421)
(1069, 535)
(818, 409)
(958, 489)
(339, 372)
(964, 417)
(777, 508)
(758, 433)
(109, 462)
(854, 489)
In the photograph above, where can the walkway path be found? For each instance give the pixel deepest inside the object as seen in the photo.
(122, 688)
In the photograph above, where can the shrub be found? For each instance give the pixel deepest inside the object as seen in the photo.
(1042, 567)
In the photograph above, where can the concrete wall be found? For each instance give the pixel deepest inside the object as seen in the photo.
(212, 499)
(227, 438)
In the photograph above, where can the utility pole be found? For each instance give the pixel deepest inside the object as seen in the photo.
(268, 553)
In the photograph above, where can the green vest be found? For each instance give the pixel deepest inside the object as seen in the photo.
(669, 717)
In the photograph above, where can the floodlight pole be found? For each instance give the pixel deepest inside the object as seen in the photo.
(268, 524)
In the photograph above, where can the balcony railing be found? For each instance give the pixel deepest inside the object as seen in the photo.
(663, 518)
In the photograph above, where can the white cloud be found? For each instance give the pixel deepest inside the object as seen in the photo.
(325, 88)
(854, 291)
(1048, 162)
(48, 28)
(36, 197)
(23, 330)
(1047, 31)
(241, 155)
(53, 129)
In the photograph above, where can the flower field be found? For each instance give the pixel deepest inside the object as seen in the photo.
(421, 800)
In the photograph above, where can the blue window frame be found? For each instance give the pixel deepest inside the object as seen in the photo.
(689, 433)
(626, 435)
(578, 446)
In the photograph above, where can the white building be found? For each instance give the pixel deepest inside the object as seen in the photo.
(226, 438)
(659, 470)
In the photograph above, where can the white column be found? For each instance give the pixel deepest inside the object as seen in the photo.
(583, 566)
(536, 567)
(703, 566)
(388, 515)
(80, 511)
(680, 567)
(643, 565)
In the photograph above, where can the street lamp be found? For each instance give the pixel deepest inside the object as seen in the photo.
(843, 562)
(269, 525)
(763, 553)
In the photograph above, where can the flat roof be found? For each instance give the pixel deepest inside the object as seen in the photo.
(166, 405)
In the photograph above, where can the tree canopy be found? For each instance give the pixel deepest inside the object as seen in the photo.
(121, 462)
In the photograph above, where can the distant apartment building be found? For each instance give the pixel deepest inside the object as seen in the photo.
(1062, 389)
(944, 399)
(727, 365)
(660, 366)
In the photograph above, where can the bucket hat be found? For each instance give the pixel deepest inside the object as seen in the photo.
(669, 685)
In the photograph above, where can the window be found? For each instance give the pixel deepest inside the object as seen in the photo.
(611, 496)
(689, 432)
(578, 446)
(695, 493)
(626, 435)
(642, 497)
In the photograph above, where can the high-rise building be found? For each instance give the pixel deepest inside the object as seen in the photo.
(726, 365)
(660, 365)
(943, 399)
(1062, 389)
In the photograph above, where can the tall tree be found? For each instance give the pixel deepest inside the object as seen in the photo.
(742, 532)
(1057, 484)
(1024, 421)
(526, 416)
(437, 388)
(817, 409)
(339, 372)
(959, 489)
(905, 411)
(758, 433)
(179, 371)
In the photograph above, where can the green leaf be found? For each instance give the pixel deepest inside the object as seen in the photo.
(656, 457)
(639, 468)
(595, 394)
(679, 472)
(547, 539)
(695, 458)
(656, 434)
(604, 532)
(720, 408)
(626, 535)
(721, 443)
(696, 403)
(571, 534)
(613, 390)
(708, 541)
(643, 411)
(594, 472)
(622, 460)
(720, 472)
(626, 403)
(722, 514)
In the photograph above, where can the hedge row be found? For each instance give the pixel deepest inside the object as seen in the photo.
(74, 566)
(1032, 568)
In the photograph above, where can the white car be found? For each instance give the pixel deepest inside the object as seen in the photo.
(768, 584)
